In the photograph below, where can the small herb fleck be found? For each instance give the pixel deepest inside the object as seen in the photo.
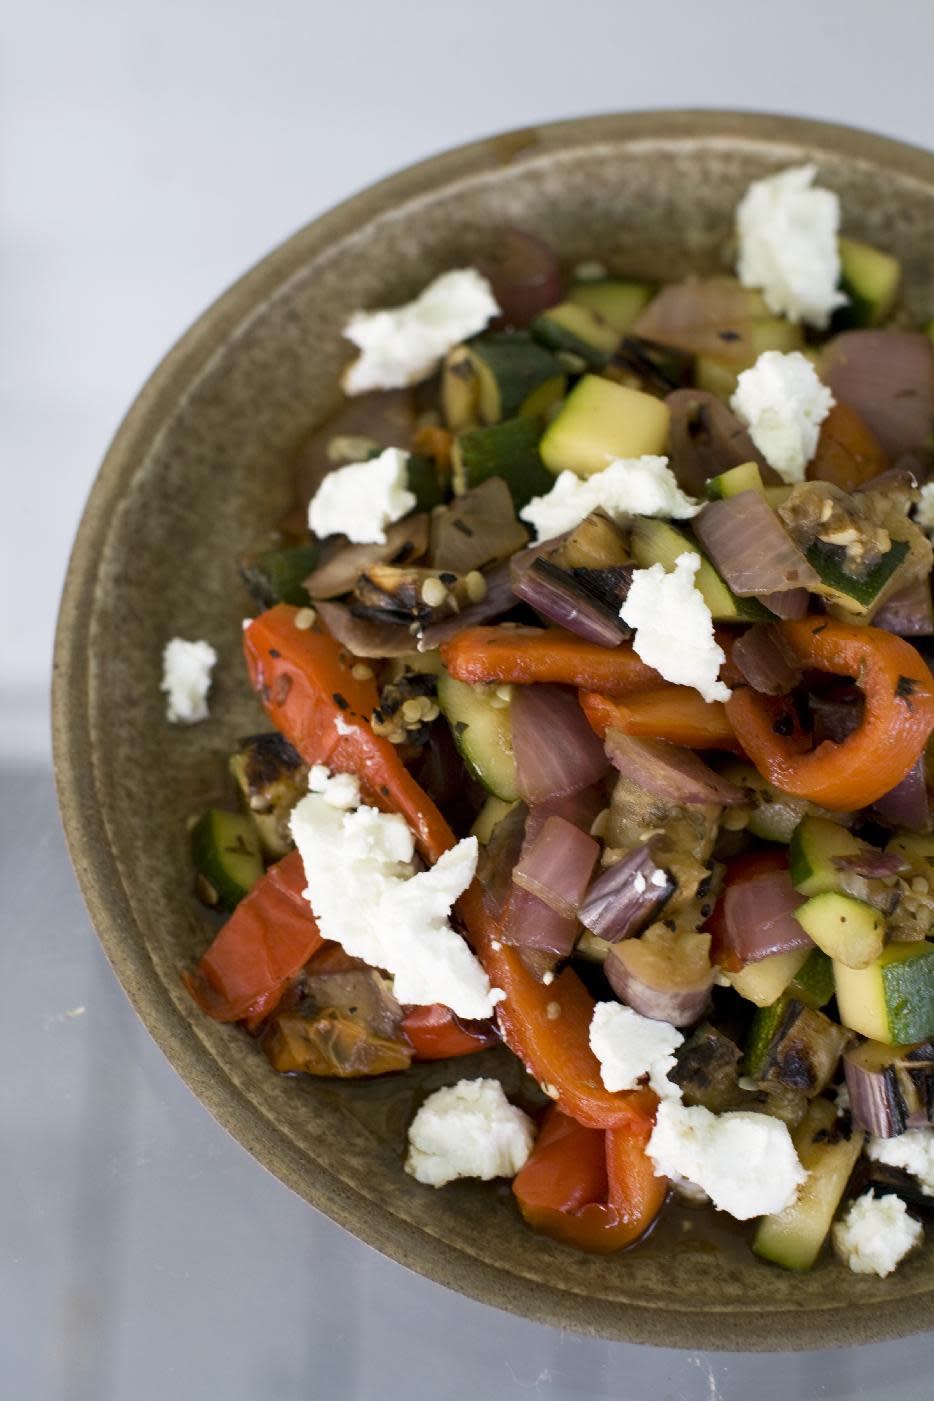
(339, 701)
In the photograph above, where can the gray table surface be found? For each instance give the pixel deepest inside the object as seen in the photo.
(144, 1254)
(150, 152)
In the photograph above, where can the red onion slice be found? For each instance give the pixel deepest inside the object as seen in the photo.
(751, 548)
(579, 809)
(887, 376)
(758, 918)
(907, 805)
(765, 660)
(556, 750)
(363, 637)
(791, 604)
(557, 866)
(531, 924)
(669, 772)
(626, 897)
(499, 599)
(909, 613)
(571, 601)
(872, 864)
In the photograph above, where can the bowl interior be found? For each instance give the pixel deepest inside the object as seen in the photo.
(198, 473)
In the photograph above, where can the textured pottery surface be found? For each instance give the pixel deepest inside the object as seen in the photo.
(198, 473)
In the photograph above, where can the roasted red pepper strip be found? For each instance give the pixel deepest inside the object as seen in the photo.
(521, 655)
(306, 683)
(270, 935)
(675, 713)
(554, 1047)
(436, 1034)
(899, 717)
(593, 1190)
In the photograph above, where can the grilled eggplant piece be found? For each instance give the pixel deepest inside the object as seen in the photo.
(794, 1045)
(271, 777)
(708, 1070)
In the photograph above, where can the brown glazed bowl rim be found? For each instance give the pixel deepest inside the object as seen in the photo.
(94, 861)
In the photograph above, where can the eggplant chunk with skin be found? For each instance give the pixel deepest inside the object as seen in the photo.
(271, 777)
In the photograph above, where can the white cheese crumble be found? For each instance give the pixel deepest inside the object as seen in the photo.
(361, 499)
(787, 232)
(186, 679)
(405, 344)
(875, 1234)
(783, 403)
(924, 511)
(674, 627)
(365, 897)
(746, 1163)
(468, 1130)
(631, 1048)
(912, 1151)
(629, 486)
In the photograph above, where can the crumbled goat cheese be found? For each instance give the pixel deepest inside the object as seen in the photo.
(787, 231)
(631, 1047)
(924, 511)
(674, 627)
(468, 1130)
(342, 727)
(746, 1163)
(405, 344)
(186, 679)
(783, 404)
(630, 486)
(360, 500)
(365, 897)
(875, 1234)
(912, 1151)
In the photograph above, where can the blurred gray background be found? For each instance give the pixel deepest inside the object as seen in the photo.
(149, 153)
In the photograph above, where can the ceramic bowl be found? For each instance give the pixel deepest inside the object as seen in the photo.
(198, 471)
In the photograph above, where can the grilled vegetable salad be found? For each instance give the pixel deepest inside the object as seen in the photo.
(595, 661)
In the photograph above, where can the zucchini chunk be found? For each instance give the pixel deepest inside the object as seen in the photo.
(659, 542)
(764, 982)
(859, 596)
(870, 279)
(482, 728)
(745, 477)
(813, 983)
(617, 302)
(489, 817)
(508, 450)
(515, 375)
(600, 421)
(893, 999)
(225, 850)
(576, 330)
(792, 1238)
(815, 845)
(850, 931)
(271, 777)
